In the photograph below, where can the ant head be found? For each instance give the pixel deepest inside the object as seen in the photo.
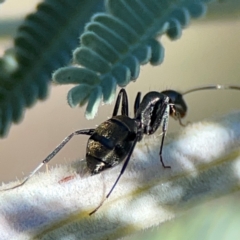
(179, 104)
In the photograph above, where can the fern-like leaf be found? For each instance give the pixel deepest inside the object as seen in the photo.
(43, 43)
(114, 45)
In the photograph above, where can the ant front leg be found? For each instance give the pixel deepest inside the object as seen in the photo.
(160, 152)
(164, 132)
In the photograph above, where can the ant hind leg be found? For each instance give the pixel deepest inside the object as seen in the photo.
(52, 154)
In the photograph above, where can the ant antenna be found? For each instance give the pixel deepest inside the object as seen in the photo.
(213, 87)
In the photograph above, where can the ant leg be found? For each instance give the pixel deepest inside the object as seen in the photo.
(137, 103)
(164, 132)
(120, 174)
(53, 153)
(124, 110)
(160, 152)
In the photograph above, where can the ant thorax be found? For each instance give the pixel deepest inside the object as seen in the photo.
(165, 118)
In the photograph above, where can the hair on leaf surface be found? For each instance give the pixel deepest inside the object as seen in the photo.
(114, 44)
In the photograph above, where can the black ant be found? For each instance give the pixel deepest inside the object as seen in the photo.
(114, 140)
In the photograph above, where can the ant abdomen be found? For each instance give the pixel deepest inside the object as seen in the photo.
(110, 143)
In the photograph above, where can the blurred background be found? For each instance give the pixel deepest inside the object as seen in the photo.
(207, 53)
